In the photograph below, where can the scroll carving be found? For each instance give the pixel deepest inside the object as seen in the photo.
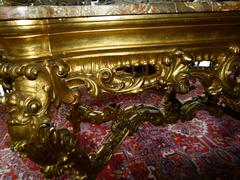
(33, 87)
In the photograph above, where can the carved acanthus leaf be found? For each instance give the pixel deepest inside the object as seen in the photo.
(118, 82)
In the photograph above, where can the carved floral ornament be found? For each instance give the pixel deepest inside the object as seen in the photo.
(35, 80)
(166, 70)
(170, 72)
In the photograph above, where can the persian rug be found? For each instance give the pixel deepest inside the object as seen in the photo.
(207, 147)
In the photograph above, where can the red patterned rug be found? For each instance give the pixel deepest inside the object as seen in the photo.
(206, 147)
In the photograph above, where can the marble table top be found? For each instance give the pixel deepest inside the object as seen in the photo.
(50, 11)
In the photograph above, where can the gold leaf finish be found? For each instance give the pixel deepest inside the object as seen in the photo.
(46, 62)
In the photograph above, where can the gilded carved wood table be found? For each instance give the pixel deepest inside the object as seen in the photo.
(49, 52)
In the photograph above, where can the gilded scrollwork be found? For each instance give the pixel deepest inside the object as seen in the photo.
(47, 61)
(29, 125)
(35, 86)
(57, 71)
(11, 70)
(118, 82)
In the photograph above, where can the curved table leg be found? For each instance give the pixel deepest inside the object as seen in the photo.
(32, 133)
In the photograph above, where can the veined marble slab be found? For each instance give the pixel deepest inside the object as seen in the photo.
(48, 11)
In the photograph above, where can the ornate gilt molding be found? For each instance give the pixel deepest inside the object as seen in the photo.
(122, 54)
(94, 37)
(36, 85)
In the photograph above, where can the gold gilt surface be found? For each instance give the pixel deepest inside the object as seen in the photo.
(45, 62)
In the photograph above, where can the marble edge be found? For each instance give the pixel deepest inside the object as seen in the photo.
(46, 11)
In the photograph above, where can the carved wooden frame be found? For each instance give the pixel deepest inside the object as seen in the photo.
(46, 61)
